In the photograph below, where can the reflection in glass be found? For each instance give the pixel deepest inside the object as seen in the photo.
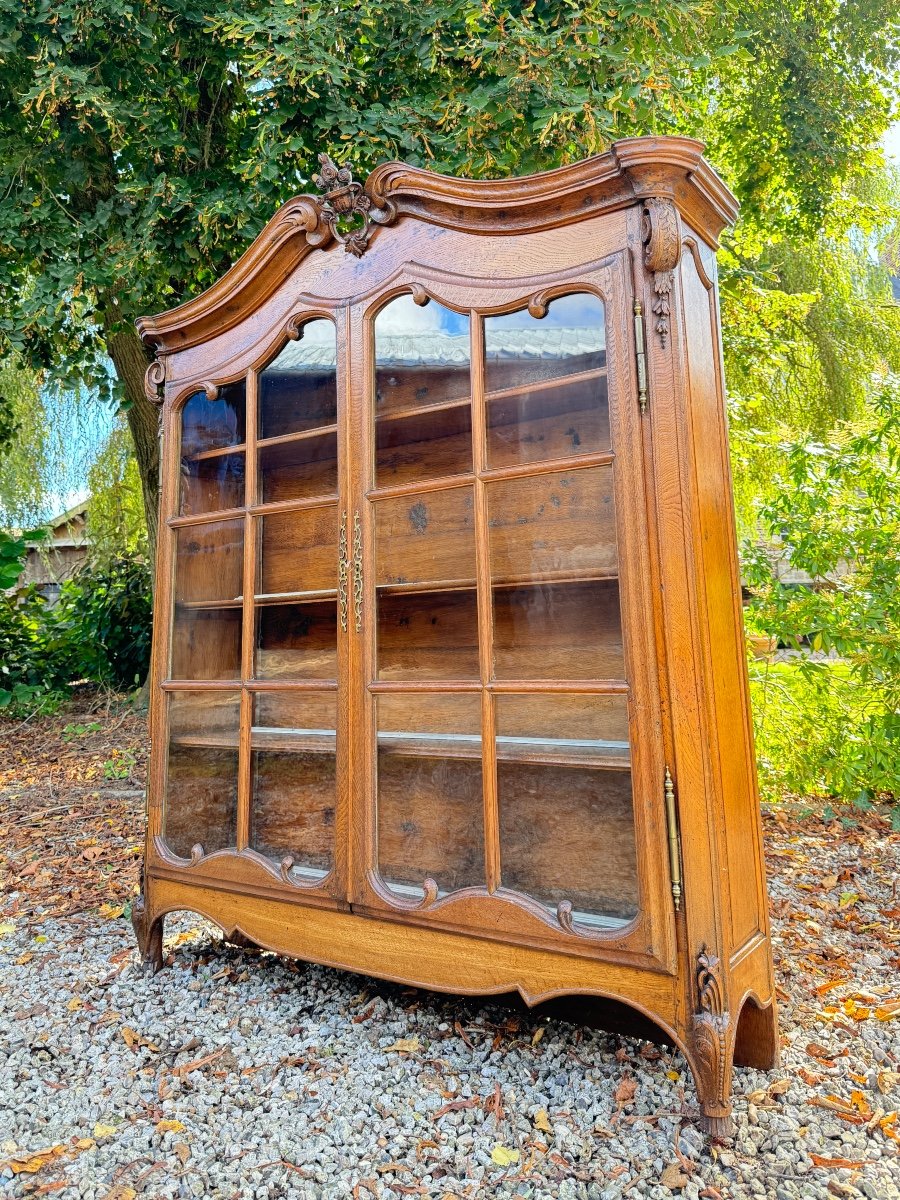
(565, 805)
(429, 806)
(423, 422)
(294, 780)
(546, 385)
(298, 409)
(201, 792)
(212, 474)
(296, 641)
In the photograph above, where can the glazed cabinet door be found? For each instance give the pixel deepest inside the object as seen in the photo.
(510, 734)
(254, 669)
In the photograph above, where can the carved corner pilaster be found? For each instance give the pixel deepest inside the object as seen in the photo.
(661, 250)
(710, 1044)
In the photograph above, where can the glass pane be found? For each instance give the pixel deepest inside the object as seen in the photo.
(430, 809)
(206, 643)
(294, 780)
(425, 577)
(426, 539)
(201, 791)
(545, 380)
(423, 421)
(212, 474)
(299, 552)
(298, 389)
(296, 641)
(206, 629)
(209, 563)
(297, 418)
(566, 814)
(554, 575)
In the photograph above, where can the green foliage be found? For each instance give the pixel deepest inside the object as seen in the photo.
(115, 518)
(832, 513)
(98, 630)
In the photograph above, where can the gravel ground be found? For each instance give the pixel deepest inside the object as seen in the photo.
(234, 1074)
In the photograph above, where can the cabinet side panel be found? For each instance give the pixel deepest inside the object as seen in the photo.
(727, 692)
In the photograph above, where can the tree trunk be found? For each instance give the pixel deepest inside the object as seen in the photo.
(130, 360)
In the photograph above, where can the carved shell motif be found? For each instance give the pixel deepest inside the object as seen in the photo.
(660, 232)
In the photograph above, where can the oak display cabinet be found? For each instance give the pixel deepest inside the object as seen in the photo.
(448, 672)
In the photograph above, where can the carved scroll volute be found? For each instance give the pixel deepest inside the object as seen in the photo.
(661, 247)
(710, 1029)
(154, 379)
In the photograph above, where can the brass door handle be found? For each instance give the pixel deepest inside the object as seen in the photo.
(343, 572)
(357, 572)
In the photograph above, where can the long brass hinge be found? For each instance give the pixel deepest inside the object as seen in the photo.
(674, 852)
(641, 355)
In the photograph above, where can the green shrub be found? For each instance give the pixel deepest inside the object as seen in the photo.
(829, 722)
(99, 630)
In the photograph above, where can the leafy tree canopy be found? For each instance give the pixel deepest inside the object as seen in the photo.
(143, 143)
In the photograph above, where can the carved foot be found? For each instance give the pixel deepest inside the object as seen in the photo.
(149, 936)
(711, 1060)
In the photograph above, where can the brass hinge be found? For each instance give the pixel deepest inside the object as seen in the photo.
(641, 356)
(674, 854)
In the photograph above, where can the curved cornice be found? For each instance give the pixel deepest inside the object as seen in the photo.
(630, 171)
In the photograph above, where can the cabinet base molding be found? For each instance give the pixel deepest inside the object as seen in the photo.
(430, 959)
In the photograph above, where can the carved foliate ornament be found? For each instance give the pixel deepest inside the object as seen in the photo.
(344, 200)
(710, 1028)
(661, 246)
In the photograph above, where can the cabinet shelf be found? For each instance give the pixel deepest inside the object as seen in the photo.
(520, 392)
(573, 752)
(497, 583)
(215, 452)
(302, 435)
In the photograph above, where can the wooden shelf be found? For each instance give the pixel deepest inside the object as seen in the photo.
(546, 385)
(572, 752)
(302, 435)
(501, 582)
(421, 410)
(236, 602)
(551, 751)
(216, 452)
(309, 597)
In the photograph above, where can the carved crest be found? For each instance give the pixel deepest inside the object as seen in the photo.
(660, 231)
(344, 201)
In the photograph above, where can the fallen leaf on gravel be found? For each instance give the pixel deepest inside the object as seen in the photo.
(779, 1087)
(101, 1130)
(183, 1150)
(169, 1127)
(504, 1157)
(404, 1046)
(111, 911)
(537, 1035)
(32, 1162)
(74, 1004)
(886, 1012)
(829, 882)
(186, 1068)
(120, 1192)
(847, 1163)
(24, 958)
(887, 1081)
(7, 927)
(542, 1121)
(625, 1091)
(673, 1177)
